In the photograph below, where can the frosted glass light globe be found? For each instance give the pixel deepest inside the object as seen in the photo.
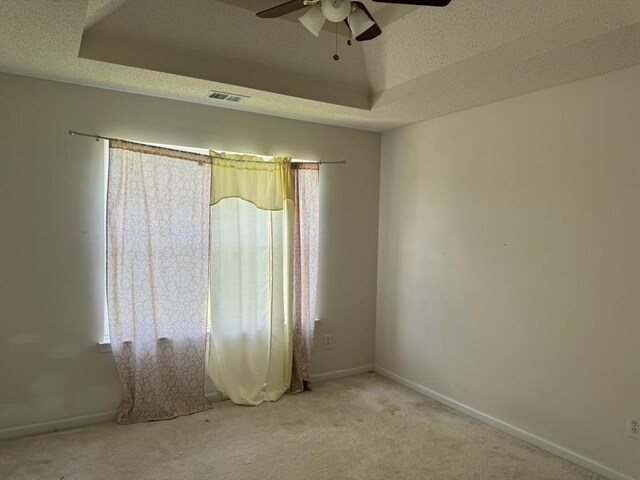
(313, 20)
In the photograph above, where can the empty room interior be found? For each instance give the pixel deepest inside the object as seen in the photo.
(320, 239)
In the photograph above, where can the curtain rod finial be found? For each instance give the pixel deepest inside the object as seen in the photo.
(72, 132)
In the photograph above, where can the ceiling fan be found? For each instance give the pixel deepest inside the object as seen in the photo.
(360, 22)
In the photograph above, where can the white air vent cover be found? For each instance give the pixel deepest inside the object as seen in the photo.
(227, 97)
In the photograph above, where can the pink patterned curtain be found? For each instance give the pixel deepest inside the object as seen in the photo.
(305, 271)
(157, 279)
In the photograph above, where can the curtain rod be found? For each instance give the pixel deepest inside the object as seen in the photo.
(100, 137)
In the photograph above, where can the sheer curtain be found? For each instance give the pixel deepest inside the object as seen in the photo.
(157, 279)
(251, 277)
(305, 271)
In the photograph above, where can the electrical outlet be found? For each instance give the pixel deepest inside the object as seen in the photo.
(633, 427)
(327, 341)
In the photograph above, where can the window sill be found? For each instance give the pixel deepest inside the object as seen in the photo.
(105, 345)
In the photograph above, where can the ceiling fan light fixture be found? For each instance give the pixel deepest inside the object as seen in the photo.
(313, 20)
(336, 10)
(359, 22)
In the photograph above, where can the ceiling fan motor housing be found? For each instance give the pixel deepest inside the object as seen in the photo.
(360, 22)
(336, 10)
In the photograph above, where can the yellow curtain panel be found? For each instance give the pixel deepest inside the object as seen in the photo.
(266, 184)
(252, 203)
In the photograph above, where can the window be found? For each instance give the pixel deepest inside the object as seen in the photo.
(105, 341)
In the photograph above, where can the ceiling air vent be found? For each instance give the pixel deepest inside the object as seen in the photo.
(227, 97)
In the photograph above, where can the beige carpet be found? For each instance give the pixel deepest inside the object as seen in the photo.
(362, 427)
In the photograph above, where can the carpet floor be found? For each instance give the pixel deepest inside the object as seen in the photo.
(361, 427)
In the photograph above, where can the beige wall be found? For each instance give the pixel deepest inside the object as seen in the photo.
(51, 233)
(509, 262)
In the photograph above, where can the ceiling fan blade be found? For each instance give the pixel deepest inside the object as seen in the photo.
(282, 9)
(424, 3)
(370, 33)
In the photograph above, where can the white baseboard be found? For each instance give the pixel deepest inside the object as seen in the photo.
(347, 372)
(531, 438)
(110, 416)
(214, 396)
(73, 422)
(59, 424)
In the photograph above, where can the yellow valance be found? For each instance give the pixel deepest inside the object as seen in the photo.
(268, 184)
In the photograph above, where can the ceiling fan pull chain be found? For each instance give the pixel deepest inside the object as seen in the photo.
(336, 57)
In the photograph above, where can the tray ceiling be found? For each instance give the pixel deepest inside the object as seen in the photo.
(428, 61)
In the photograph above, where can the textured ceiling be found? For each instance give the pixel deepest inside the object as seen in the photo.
(430, 39)
(99, 9)
(220, 42)
(428, 61)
